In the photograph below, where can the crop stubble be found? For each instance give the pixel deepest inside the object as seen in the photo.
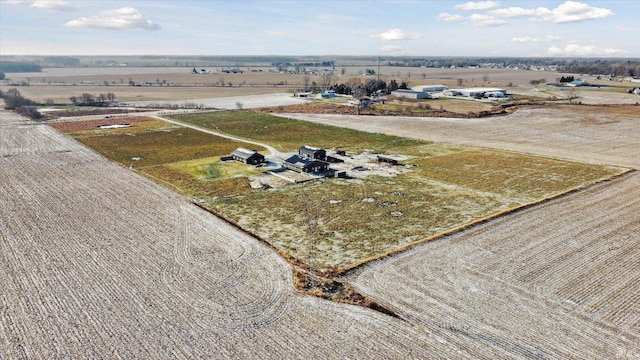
(99, 262)
(559, 280)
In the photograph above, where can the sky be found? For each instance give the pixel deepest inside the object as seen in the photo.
(526, 28)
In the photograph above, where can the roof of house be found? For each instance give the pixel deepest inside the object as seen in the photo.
(244, 153)
(309, 149)
(299, 162)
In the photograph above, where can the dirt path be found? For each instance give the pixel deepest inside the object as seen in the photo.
(273, 152)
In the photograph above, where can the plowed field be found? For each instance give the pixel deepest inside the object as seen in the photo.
(560, 280)
(98, 262)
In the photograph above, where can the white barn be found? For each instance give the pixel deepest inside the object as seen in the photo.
(410, 94)
(429, 88)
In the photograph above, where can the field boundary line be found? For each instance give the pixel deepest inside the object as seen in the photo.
(461, 228)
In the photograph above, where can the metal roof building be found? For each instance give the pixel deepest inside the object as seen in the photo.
(429, 88)
(296, 163)
(247, 156)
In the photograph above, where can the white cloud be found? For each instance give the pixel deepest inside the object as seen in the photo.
(512, 12)
(55, 5)
(12, 2)
(485, 20)
(477, 6)
(446, 17)
(624, 29)
(582, 50)
(118, 19)
(393, 34)
(391, 49)
(529, 39)
(572, 11)
(569, 11)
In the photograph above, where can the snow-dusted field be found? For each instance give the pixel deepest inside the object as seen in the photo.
(231, 102)
(598, 135)
(557, 281)
(98, 262)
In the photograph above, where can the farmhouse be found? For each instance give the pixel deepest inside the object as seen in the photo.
(299, 164)
(312, 153)
(410, 94)
(429, 88)
(247, 156)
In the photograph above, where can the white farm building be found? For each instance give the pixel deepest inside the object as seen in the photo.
(429, 88)
(410, 94)
(477, 92)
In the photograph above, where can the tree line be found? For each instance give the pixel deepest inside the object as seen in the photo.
(87, 99)
(357, 88)
(17, 66)
(13, 100)
(603, 67)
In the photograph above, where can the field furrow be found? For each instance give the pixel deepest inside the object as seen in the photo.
(99, 262)
(544, 282)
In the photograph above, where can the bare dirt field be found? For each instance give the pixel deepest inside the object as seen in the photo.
(177, 83)
(604, 135)
(557, 281)
(61, 94)
(98, 262)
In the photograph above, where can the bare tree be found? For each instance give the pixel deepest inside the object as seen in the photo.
(326, 79)
(306, 78)
(572, 93)
(460, 82)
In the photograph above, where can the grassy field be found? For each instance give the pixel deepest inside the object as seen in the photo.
(180, 158)
(288, 135)
(335, 224)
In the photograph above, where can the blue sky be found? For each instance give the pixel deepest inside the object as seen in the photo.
(390, 28)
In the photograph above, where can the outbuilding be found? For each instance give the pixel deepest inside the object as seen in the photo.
(430, 88)
(410, 94)
(298, 164)
(308, 152)
(247, 156)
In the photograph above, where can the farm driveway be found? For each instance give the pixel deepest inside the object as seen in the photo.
(272, 150)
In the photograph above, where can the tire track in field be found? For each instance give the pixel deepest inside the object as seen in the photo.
(231, 286)
(558, 280)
